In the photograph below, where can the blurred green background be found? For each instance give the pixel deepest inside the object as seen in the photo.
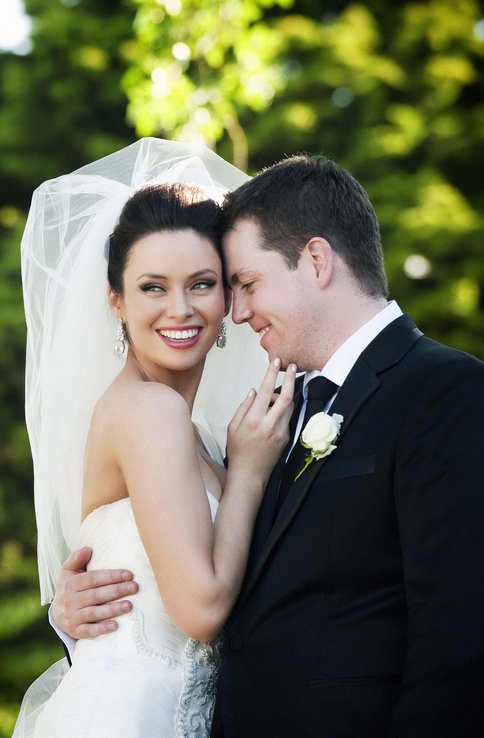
(393, 91)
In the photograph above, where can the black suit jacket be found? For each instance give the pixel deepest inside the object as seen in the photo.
(361, 614)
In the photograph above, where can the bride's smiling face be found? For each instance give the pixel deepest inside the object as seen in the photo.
(173, 300)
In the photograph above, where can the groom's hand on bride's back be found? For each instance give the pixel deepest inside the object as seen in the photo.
(83, 605)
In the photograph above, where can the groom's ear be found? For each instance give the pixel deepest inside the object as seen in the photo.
(320, 256)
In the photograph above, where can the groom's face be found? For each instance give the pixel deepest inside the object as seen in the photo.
(276, 301)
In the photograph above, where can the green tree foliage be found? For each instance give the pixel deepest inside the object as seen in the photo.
(395, 95)
(61, 106)
(200, 65)
(393, 91)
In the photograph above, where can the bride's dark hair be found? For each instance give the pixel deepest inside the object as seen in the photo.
(161, 207)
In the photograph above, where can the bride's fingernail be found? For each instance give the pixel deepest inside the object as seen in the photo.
(251, 393)
(293, 367)
(277, 362)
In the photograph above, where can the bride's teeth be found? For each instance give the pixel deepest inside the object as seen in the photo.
(180, 335)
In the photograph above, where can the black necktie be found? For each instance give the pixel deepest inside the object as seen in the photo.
(320, 391)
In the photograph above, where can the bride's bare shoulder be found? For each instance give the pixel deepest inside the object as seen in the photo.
(131, 401)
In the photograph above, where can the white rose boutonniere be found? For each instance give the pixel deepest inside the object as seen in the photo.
(319, 435)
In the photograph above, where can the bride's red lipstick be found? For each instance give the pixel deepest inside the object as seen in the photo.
(181, 337)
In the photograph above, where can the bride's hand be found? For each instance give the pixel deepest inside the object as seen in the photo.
(259, 430)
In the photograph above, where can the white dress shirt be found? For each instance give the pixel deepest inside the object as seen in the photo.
(346, 356)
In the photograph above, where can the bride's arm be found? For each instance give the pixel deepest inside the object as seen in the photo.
(198, 566)
(87, 603)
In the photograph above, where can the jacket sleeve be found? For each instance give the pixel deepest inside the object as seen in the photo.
(439, 494)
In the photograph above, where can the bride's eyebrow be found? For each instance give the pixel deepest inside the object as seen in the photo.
(148, 275)
(203, 272)
(199, 273)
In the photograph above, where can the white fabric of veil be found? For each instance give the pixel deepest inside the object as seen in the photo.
(70, 330)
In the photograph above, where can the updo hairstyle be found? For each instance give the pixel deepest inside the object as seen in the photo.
(161, 207)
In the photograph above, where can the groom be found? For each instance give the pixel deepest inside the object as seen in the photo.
(362, 610)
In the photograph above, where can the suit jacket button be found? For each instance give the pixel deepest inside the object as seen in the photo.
(236, 642)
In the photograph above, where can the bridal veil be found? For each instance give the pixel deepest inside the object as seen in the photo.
(70, 330)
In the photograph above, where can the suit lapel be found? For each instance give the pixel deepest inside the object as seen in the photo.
(386, 350)
(350, 398)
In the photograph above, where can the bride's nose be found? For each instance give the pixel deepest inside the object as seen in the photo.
(179, 304)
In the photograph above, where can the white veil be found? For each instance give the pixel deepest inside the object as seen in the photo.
(70, 359)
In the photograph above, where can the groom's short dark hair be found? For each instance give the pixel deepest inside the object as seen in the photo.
(306, 196)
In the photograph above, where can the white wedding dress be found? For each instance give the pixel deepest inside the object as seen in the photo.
(145, 680)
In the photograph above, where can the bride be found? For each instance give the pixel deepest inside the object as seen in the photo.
(126, 461)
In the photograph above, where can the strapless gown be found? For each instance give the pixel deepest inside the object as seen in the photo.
(145, 680)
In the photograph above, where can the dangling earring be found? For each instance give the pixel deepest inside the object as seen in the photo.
(222, 336)
(120, 342)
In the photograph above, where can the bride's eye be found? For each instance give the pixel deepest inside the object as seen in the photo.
(153, 288)
(203, 284)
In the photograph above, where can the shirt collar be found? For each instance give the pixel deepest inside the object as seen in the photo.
(346, 356)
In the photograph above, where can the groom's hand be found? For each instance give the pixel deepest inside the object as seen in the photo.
(83, 605)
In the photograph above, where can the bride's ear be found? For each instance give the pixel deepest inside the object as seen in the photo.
(114, 302)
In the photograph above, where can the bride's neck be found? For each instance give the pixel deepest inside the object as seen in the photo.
(184, 382)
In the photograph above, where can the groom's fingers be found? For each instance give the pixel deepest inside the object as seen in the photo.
(93, 630)
(98, 579)
(95, 621)
(85, 598)
(87, 613)
(98, 588)
(78, 560)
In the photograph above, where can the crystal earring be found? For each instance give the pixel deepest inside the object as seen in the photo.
(222, 336)
(120, 342)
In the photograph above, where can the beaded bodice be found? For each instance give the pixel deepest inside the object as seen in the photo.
(147, 631)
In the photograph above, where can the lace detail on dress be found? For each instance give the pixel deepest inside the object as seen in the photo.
(141, 642)
(146, 679)
(201, 666)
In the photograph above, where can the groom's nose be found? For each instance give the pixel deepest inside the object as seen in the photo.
(241, 311)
